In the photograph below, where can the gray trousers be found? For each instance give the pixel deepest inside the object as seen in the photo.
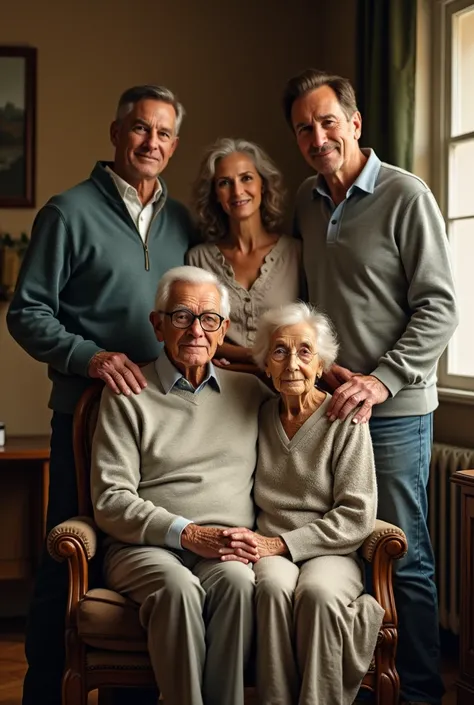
(316, 631)
(199, 616)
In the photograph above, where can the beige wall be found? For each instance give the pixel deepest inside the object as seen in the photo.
(228, 64)
(453, 420)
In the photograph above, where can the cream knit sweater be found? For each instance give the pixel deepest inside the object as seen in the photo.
(159, 456)
(317, 491)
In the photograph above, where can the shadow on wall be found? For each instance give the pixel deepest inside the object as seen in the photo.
(25, 387)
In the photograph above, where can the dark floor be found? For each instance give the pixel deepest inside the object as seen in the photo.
(12, 664)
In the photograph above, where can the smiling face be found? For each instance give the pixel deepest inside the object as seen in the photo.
(192, 348)
(328, 140)
(293, 375)
(238, 186)
(144, 141)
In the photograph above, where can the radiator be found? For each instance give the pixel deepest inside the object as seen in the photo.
(444, 525)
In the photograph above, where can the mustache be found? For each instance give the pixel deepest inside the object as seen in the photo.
(321, 151)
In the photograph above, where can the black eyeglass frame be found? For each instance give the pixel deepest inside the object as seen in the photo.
(194, 316)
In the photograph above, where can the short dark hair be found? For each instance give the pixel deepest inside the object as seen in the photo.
(137, 93)
(309, 80)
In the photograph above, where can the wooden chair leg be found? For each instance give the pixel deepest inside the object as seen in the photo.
(387, 689)
(74, 691)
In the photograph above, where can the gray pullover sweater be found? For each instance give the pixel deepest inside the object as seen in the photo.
(157, 457)
(379, 266)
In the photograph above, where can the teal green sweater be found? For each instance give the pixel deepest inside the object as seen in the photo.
(88, 281)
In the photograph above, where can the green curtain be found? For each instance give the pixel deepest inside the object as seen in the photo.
(386, 68)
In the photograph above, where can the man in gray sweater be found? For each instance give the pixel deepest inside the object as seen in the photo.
(376, 260)
(172, 468)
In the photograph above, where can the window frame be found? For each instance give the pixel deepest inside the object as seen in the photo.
(442, 90)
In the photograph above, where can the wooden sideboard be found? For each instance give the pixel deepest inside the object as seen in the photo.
(465, 683)
(24, 479)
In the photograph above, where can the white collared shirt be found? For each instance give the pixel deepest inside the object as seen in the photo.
(140, 214)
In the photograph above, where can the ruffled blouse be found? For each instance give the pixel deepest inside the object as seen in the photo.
(279, 282)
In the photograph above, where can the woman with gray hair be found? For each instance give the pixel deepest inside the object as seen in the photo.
(316, 495)
(238, 198)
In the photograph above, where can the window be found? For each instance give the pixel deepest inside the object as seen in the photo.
(456, 182)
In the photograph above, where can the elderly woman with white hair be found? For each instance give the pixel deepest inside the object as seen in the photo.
(238, 199)
(316, 495)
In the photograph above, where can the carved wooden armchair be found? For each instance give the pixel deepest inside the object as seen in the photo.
(105, 644)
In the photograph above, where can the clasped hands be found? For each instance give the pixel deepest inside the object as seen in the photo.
(234, 544)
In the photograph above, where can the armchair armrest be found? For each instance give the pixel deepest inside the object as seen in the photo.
(73, 535)
(76, 541)
(386, 543)
(387, 537)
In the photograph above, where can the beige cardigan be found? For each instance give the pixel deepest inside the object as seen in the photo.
(318, 490)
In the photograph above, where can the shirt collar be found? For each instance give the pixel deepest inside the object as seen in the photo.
(365, 181)
(126, 189)
(170, 376)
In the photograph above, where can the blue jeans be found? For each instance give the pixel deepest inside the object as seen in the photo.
(402, 448)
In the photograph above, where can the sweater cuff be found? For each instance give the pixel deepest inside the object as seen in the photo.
(173, 536)
(81, 357)
(291, 539)
(389, 378)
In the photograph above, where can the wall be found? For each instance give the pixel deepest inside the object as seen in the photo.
(454, 418)
(228, 63)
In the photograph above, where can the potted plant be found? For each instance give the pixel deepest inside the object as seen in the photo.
(12, 251)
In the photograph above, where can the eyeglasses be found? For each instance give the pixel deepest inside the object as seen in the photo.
(304, 354)
(182, 318)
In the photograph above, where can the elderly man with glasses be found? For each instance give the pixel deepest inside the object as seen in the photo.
(172, 469)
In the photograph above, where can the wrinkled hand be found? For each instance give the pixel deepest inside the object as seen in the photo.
(361, 390)
(220, 361)
(335, 376)
(210, 542)
(264, 545)
(119, 373)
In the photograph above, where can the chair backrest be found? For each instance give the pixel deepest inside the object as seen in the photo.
(84, 423)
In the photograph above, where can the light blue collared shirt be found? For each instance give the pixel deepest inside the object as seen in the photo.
(171, 377)
(365, 183)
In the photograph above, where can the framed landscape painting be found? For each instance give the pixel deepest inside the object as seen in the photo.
(17, 126)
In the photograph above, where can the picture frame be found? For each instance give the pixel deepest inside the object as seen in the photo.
(17, 126)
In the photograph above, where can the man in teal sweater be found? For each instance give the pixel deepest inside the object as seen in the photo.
(377, 262)
(84, 294)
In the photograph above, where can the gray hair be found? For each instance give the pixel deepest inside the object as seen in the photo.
(289, 315)
(193, 275)
(137, 93)
(213, 222)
